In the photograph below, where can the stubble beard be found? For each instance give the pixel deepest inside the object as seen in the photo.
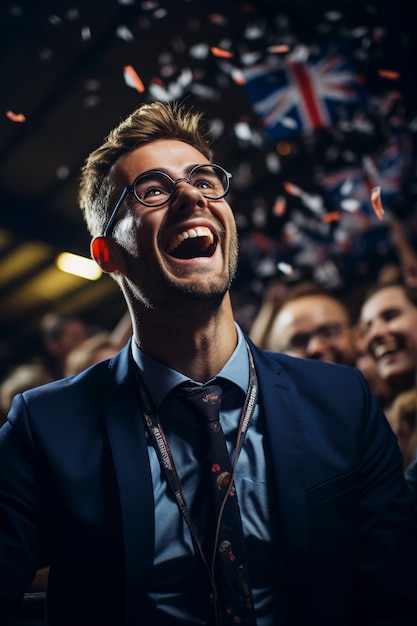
(213, 289)
(172, 291)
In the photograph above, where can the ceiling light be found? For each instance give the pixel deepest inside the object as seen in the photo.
(78, 265)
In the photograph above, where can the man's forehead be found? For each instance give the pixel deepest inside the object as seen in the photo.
(313, 310)
(386, 298)
(173, 156)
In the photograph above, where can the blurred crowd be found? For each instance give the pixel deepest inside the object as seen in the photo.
(377, 334)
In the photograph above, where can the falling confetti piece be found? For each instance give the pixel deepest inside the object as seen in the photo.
(390, 74)
(86, 33)
(292, 189)
(123, 32)
(238, 76)
(279, 206)
(333, 216)
(350, 204)
(219, 52)
(285, 268)
(132, 79)
(377, 203)
(280, 49)
(218, 18)
(199, 51)
(15, 117)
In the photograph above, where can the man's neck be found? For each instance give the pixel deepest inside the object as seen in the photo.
(197, 344)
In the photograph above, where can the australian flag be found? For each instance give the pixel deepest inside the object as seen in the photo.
(291, 95)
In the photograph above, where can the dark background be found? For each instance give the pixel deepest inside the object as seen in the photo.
(62, 68)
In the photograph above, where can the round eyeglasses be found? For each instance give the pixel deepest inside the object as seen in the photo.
(298, 343)
(155, 188)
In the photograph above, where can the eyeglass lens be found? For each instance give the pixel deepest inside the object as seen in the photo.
(155, 188)
(326, 332)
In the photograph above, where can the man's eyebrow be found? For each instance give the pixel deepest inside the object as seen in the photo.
(187, 170)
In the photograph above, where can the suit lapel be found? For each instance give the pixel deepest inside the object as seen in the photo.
(279, 401)
(128, 443)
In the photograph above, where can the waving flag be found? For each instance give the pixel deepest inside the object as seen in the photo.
(292, 96)
(350, 188)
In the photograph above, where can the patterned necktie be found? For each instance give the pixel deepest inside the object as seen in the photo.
(228, 548)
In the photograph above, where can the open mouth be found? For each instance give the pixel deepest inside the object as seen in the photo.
(192, 243)
(383, 349)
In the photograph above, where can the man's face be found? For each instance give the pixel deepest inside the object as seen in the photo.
(73, 334)
(389, 330)
(187, 247)
(316, 327)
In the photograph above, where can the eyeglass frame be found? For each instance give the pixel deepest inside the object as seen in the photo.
(336, 327)
(131, 189)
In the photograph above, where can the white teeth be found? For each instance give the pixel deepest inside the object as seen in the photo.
(385, 348)
(191, 233)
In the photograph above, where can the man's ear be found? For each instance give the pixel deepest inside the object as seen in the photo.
(107, 254)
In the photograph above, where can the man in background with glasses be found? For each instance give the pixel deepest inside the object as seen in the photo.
(313, 324)
(102, 475)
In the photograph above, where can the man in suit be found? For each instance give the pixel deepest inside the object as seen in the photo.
(101, 474)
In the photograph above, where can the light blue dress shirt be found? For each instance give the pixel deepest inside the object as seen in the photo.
(175, 586)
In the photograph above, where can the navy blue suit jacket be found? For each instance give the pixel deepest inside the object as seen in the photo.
(76, 492)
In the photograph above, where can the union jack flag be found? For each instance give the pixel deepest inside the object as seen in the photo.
(291, 96)
(350, 188)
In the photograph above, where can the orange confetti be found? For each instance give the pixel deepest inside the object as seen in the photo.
(219, 52)
(279, 206)
(292, 189)
(279, 49)
(377, 203)
(132, 79)
(238, 77)
(15, 117)
(333, 216)
(390, 74)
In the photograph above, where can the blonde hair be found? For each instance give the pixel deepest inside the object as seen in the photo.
(147, 123)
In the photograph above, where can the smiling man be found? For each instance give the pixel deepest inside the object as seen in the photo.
(313, 324)
(120, 478)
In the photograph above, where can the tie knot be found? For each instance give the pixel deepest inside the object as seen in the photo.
(204, 401)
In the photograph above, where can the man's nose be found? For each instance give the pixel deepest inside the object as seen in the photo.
(186, 197)
(377, 330)
(316, 347)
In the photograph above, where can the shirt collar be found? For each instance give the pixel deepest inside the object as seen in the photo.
(160, 379)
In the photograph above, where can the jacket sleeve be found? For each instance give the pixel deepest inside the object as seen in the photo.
(385, 584)
(20, 523)
(411, 478)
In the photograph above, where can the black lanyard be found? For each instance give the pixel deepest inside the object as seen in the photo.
(166, 460)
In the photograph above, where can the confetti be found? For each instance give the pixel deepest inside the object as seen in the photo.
(238, 76)
(350, 204)
(15, 117)
(285, 268)
(278, 49)
(220, 52)
(279, 207)
(293, 190)
(199, 51)
(86, 33)
(123, 32)
(389, 74)
(333, 216)
(218, 18)
(132, 79)
(377, 203)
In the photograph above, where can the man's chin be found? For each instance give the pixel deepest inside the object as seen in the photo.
(211, 291)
